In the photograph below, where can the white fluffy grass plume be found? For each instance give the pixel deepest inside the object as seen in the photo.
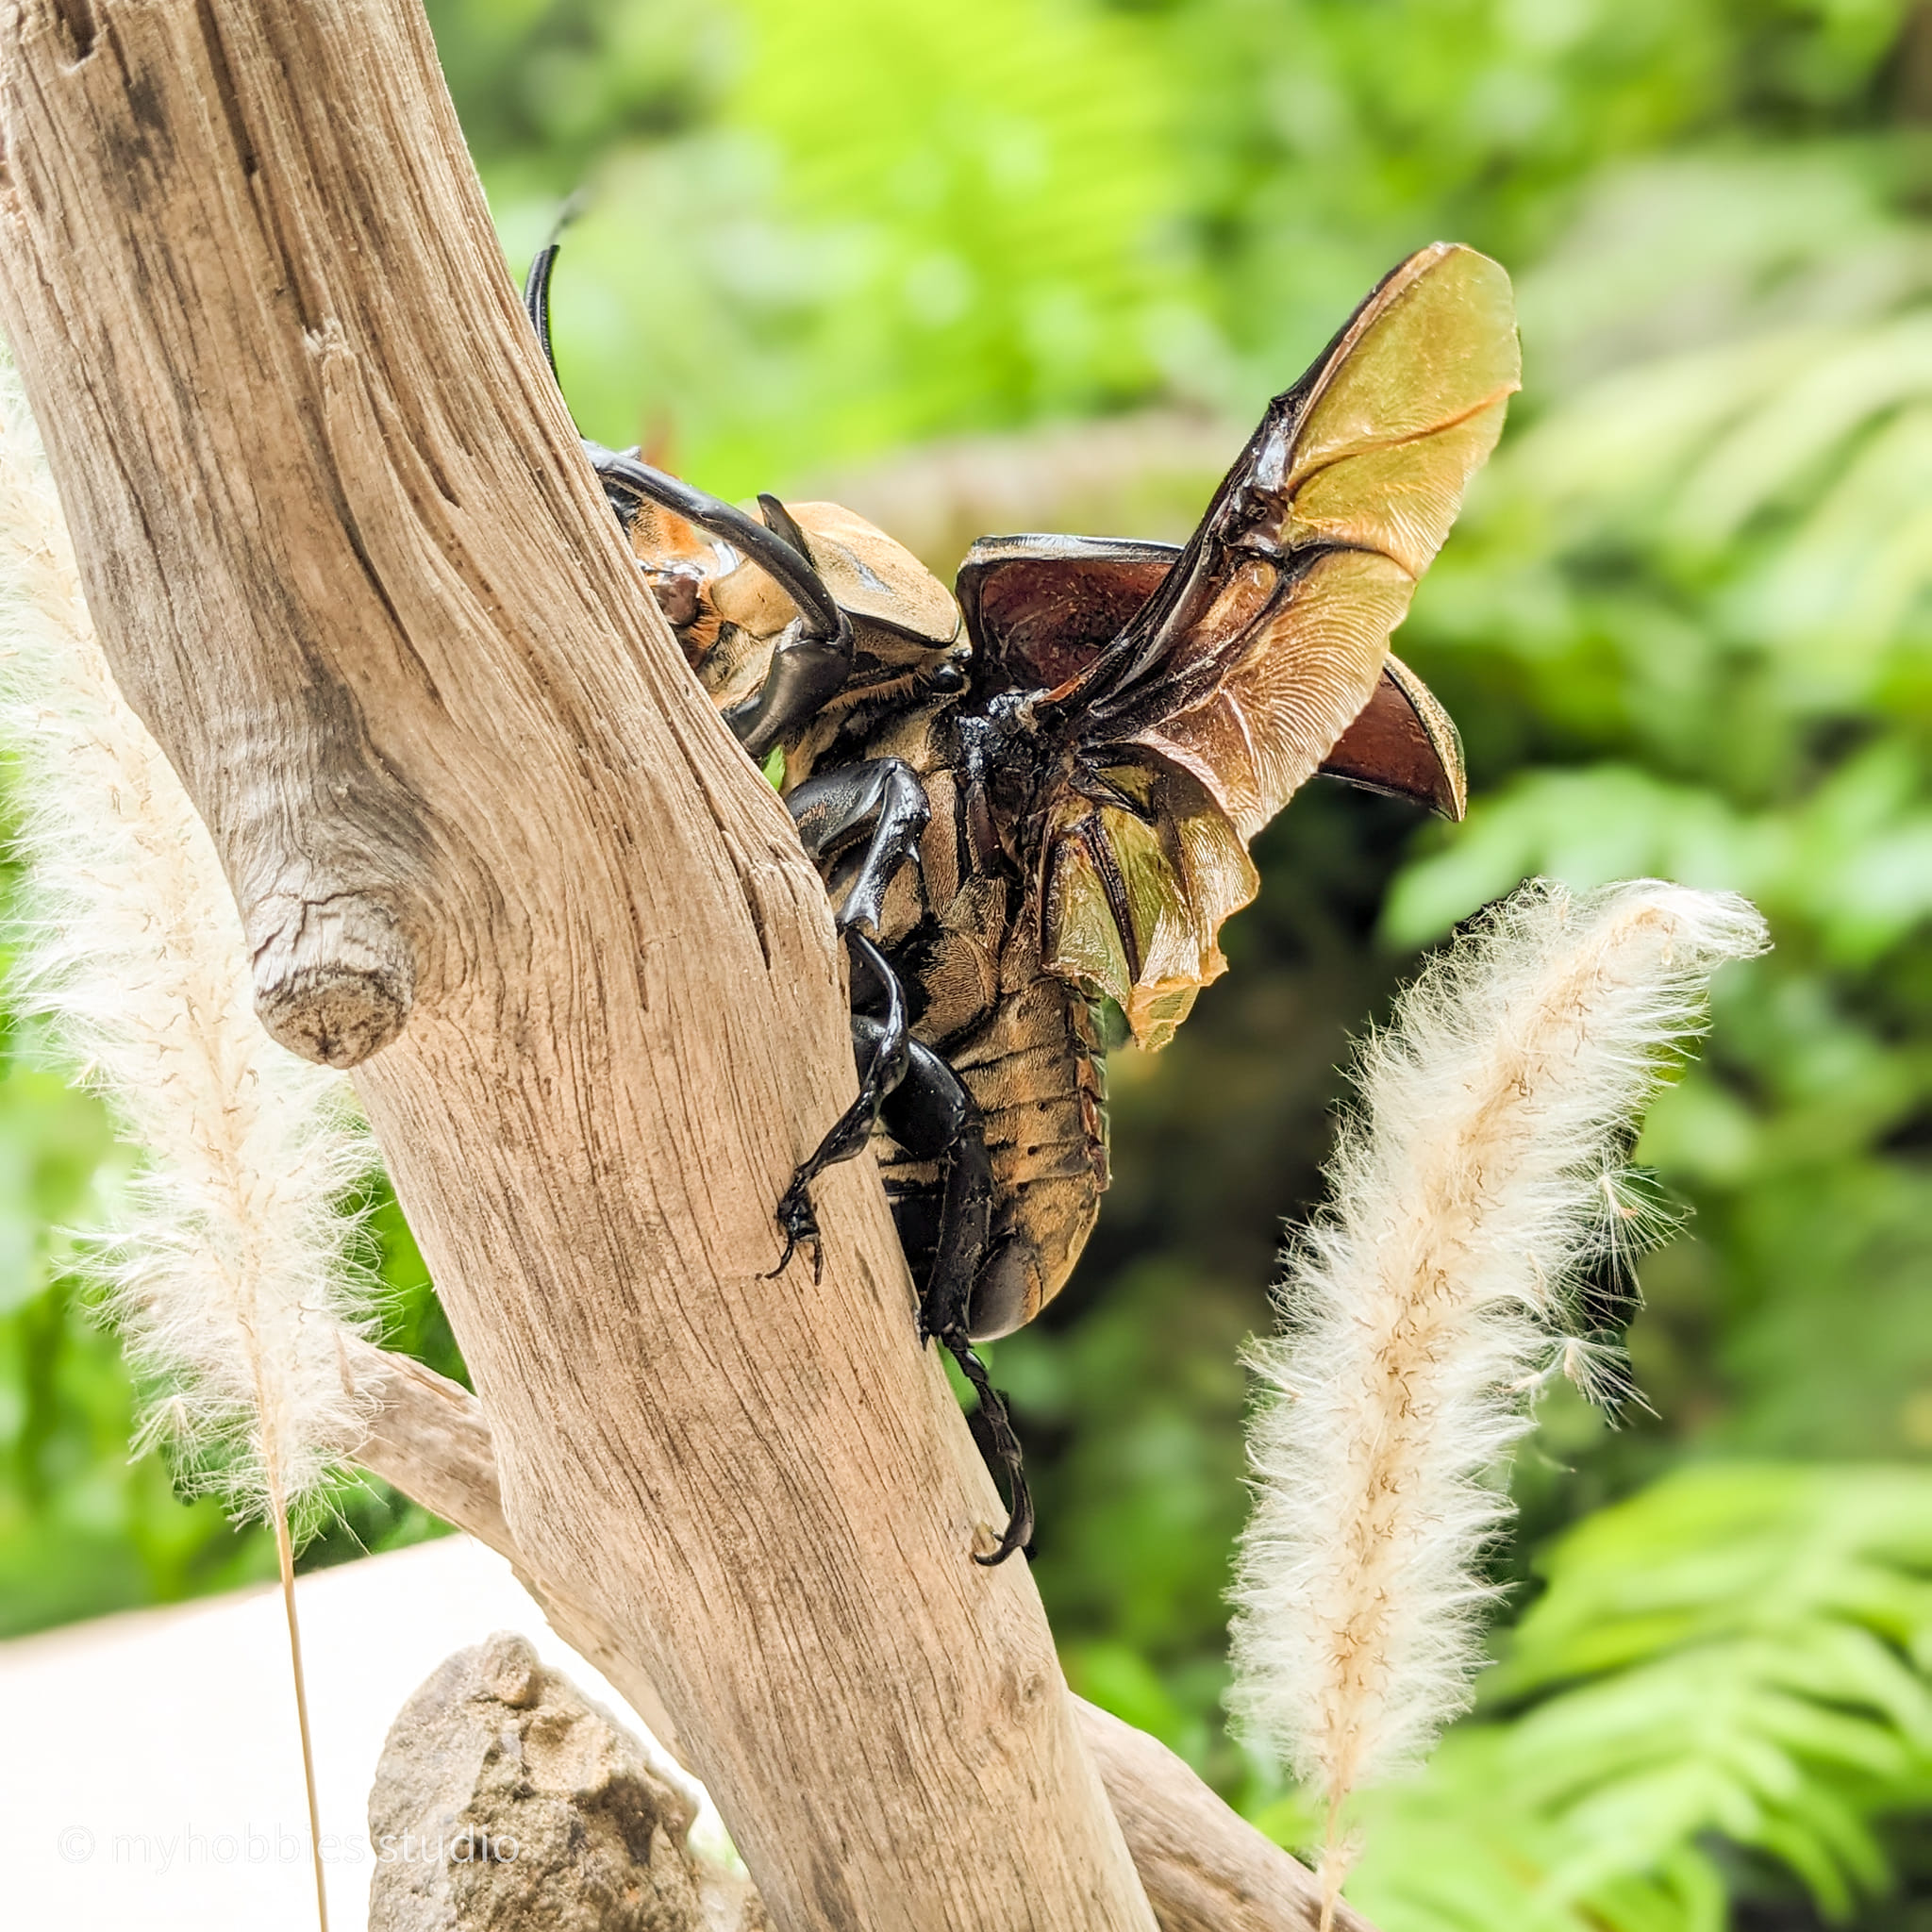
(230, 1268)
(1471, 1189)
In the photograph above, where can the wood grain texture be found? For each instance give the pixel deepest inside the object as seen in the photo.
(1204, 1869)
(489, 842)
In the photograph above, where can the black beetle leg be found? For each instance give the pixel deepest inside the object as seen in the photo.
(883, 1046)
(1006, 1445)
(881, 799)
(881, 796)
(932, 1116)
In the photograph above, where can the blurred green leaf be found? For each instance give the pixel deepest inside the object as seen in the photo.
(1739, 1652)
(1684, 627)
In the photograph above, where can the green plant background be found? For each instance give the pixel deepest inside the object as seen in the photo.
(1685, 628)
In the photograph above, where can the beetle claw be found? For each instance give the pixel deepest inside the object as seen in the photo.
(796, 1216)
(1006, 1445)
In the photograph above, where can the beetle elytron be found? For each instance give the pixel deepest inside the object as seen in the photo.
(1032, 806)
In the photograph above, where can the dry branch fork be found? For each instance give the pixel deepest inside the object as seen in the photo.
(348, 565)
(1204, 1869)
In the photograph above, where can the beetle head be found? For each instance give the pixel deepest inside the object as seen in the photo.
(732, 616)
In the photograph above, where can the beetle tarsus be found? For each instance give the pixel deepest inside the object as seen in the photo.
(998, 1420)
(801, 1225)
(883, 1048)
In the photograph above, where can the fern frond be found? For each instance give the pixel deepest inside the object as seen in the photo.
(1739, 1653)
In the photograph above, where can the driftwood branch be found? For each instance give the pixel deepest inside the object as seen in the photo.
(1204, 1868)
(491, 847)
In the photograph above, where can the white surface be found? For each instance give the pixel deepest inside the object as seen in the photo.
(150, 1771)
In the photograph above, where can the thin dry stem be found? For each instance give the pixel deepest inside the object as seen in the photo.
(285, 1557)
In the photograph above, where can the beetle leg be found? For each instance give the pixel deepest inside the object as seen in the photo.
(883, 1045)
(998, 1419)
(884, 799)
(933, 1117)
(882, 796)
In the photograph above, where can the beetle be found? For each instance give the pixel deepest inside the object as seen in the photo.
(1032, 799)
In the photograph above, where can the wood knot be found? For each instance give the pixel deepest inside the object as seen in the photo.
(1027, 1687)
(334, 977)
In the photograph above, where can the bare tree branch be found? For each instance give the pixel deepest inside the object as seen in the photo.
(490, 845)
(1204, 1869)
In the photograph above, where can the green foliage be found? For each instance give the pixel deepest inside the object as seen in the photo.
(546, 86)
(83, 1526)
(1685, 628)
(1739, 1657)
(1143, 1497)
(887, 225)
(1328, 138)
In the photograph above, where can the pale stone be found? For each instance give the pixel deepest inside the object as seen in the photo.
(507, 1802)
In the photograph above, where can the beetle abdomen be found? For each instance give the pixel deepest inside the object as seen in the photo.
(1034, 1068)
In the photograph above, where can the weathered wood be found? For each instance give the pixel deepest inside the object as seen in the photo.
(1202, 1867)
(428, 1436)
(351, 569)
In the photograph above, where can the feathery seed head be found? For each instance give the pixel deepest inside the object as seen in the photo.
(229, 1269)
(1477, 1238)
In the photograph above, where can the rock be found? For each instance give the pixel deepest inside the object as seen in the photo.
(507, 1802)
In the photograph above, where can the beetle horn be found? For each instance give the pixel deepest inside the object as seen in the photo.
(789, 568)
(780, 519)
(804, 673)
(537, 302)
(537, 283)
(784, 555)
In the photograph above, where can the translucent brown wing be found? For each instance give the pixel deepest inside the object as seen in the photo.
(1267, 640)
(1040, 609)
(1404, 744)
(1141, 867)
